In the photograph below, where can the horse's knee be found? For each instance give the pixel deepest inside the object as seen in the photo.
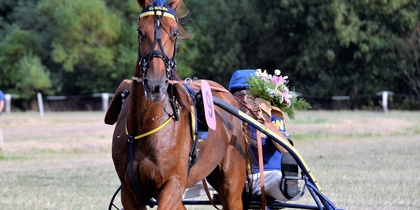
(170, 197)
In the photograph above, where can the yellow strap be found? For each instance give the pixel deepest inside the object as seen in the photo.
(165, 14)
(193, 123)
(150, 132)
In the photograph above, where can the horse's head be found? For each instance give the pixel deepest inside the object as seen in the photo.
(157, 38)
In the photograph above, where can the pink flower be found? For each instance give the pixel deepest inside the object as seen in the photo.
(286, 95)
(278, 80)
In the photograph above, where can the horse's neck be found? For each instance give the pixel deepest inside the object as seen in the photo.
(144, 113)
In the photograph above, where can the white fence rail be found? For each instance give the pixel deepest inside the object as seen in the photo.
(106, 96)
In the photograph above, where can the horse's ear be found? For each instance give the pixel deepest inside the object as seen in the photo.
(174, 4)
(143, 3)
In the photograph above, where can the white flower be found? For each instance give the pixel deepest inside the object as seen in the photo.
(277, 72)
(264, 74)
(258, 72)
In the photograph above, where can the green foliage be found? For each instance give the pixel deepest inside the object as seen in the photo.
(33, 76)
(22, 69)
(93, 30)
(326, 47)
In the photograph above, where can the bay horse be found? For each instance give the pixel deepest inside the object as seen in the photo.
(153, 137)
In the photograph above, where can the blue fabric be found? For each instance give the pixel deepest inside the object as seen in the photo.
(159, 5)
(160, 2)
(1, 96)
(239, 78)
(271, 156)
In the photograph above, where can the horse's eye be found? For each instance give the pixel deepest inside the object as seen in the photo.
(174, 33)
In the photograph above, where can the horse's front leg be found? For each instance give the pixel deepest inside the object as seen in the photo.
(128, 200)
(229, 180)
(170, 195)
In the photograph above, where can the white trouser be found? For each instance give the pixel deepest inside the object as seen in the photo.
(272, 180)
(198, 190)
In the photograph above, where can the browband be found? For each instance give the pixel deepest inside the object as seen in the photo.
(158, 10)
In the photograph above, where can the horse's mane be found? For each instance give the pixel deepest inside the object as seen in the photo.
(183, 15)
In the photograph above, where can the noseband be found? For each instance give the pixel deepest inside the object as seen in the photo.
(158, 12)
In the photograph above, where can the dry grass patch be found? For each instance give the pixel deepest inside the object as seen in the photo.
(363, 160)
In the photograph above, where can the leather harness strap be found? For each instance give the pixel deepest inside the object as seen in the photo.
(261, 166)
(197, 85)
(260, 155)
(206, 188)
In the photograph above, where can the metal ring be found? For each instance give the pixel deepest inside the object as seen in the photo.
(188, 81)
(130, 138)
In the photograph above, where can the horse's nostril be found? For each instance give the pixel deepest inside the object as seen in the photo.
(157, 89)
(155, 86)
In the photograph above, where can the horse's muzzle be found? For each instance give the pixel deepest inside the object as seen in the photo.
(155, 90)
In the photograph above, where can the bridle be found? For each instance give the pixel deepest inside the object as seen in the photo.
(158, 10)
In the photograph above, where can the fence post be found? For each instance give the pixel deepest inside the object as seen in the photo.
(40, 105)
(385, 95)
(8, 105)
(105, 101)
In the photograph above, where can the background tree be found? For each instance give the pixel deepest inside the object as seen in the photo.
(326, 47)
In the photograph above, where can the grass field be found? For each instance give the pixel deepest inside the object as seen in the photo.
(363, 160)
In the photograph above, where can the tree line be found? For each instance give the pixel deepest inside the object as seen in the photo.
(325, 47)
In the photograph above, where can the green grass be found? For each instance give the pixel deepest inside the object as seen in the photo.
(9, 157)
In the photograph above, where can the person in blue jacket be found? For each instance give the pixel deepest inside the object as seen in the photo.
(277, 161)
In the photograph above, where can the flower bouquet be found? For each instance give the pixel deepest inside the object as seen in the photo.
(274, 89)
